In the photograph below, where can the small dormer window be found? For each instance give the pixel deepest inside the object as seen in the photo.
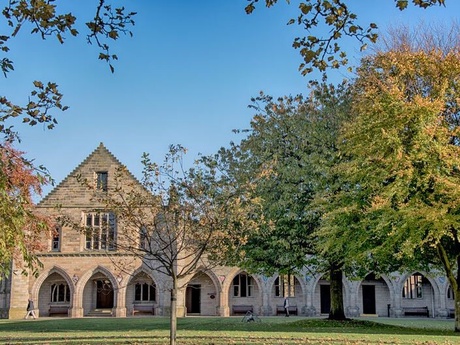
(101, 180)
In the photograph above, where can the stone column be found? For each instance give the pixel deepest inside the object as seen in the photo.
(396, 307)
(20, 293)
(309, 309)
(120, 308)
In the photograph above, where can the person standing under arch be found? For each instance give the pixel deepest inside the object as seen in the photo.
(286, 306)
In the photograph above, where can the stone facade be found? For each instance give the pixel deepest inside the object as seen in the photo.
(80, 280)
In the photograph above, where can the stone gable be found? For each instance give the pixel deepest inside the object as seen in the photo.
(71, 192)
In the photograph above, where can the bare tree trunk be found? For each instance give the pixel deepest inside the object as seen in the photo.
(336, 312)
(173, 317)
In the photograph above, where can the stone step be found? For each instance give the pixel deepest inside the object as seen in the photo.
(100, 313)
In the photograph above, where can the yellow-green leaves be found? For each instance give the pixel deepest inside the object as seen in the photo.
(404, 153)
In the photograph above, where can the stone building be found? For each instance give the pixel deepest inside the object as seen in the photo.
(79, 278)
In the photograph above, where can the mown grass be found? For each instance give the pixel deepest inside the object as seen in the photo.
(228, 331)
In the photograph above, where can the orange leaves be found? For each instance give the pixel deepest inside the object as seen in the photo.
(21, 229)
(18, 174)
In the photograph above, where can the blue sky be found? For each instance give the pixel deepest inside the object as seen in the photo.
(185, 77)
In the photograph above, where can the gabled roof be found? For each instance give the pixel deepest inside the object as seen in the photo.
(70, 191)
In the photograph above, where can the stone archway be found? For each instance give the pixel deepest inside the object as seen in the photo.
(55, 293)
(202, 295)
(374, 296)
(418, 292)
(245, 291)
(286, 286)
(321, 296)
(99, 293)
(142, 294)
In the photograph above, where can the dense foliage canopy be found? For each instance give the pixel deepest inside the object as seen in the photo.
(397, 206)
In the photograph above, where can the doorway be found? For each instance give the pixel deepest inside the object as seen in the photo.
(369, 299)
(104, 295)
(193, 299)
(325, 292)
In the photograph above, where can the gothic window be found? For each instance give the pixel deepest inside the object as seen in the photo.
(56, 240)
(101, 231)
(413, 287)
(144, 292)
(285, 286)
(243, 285)
(60, 293)
(102, 180)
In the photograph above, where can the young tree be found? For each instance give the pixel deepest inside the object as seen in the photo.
(176, 223)
(283, 160)
(21, 227)
(403, 151)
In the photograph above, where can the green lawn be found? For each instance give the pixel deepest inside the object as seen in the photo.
(228, 331)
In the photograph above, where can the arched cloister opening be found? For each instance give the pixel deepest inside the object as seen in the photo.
(142, 294)
(98, 293)
(202, 295)
(245, 293)
(417, 295)
(322, 296)
(374, 297)
(55, 294)
(286, 285)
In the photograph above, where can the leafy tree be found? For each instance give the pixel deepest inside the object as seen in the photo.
(19, 177)
(403, 151)
(282, 163)
(322, 53)
(20, 227)
(176, 223)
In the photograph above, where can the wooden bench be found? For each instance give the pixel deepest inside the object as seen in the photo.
(292, 310)
(143, 309)
(422, 311)
(242, 309)
(58, 310)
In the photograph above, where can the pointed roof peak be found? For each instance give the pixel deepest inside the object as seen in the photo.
(100, 150)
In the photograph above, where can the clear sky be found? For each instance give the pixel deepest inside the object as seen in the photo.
(186, 77)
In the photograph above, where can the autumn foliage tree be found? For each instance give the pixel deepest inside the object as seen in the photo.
(403, 147)
(21, 227)
(20, 177)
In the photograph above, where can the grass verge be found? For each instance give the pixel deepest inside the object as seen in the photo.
(226, 331)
